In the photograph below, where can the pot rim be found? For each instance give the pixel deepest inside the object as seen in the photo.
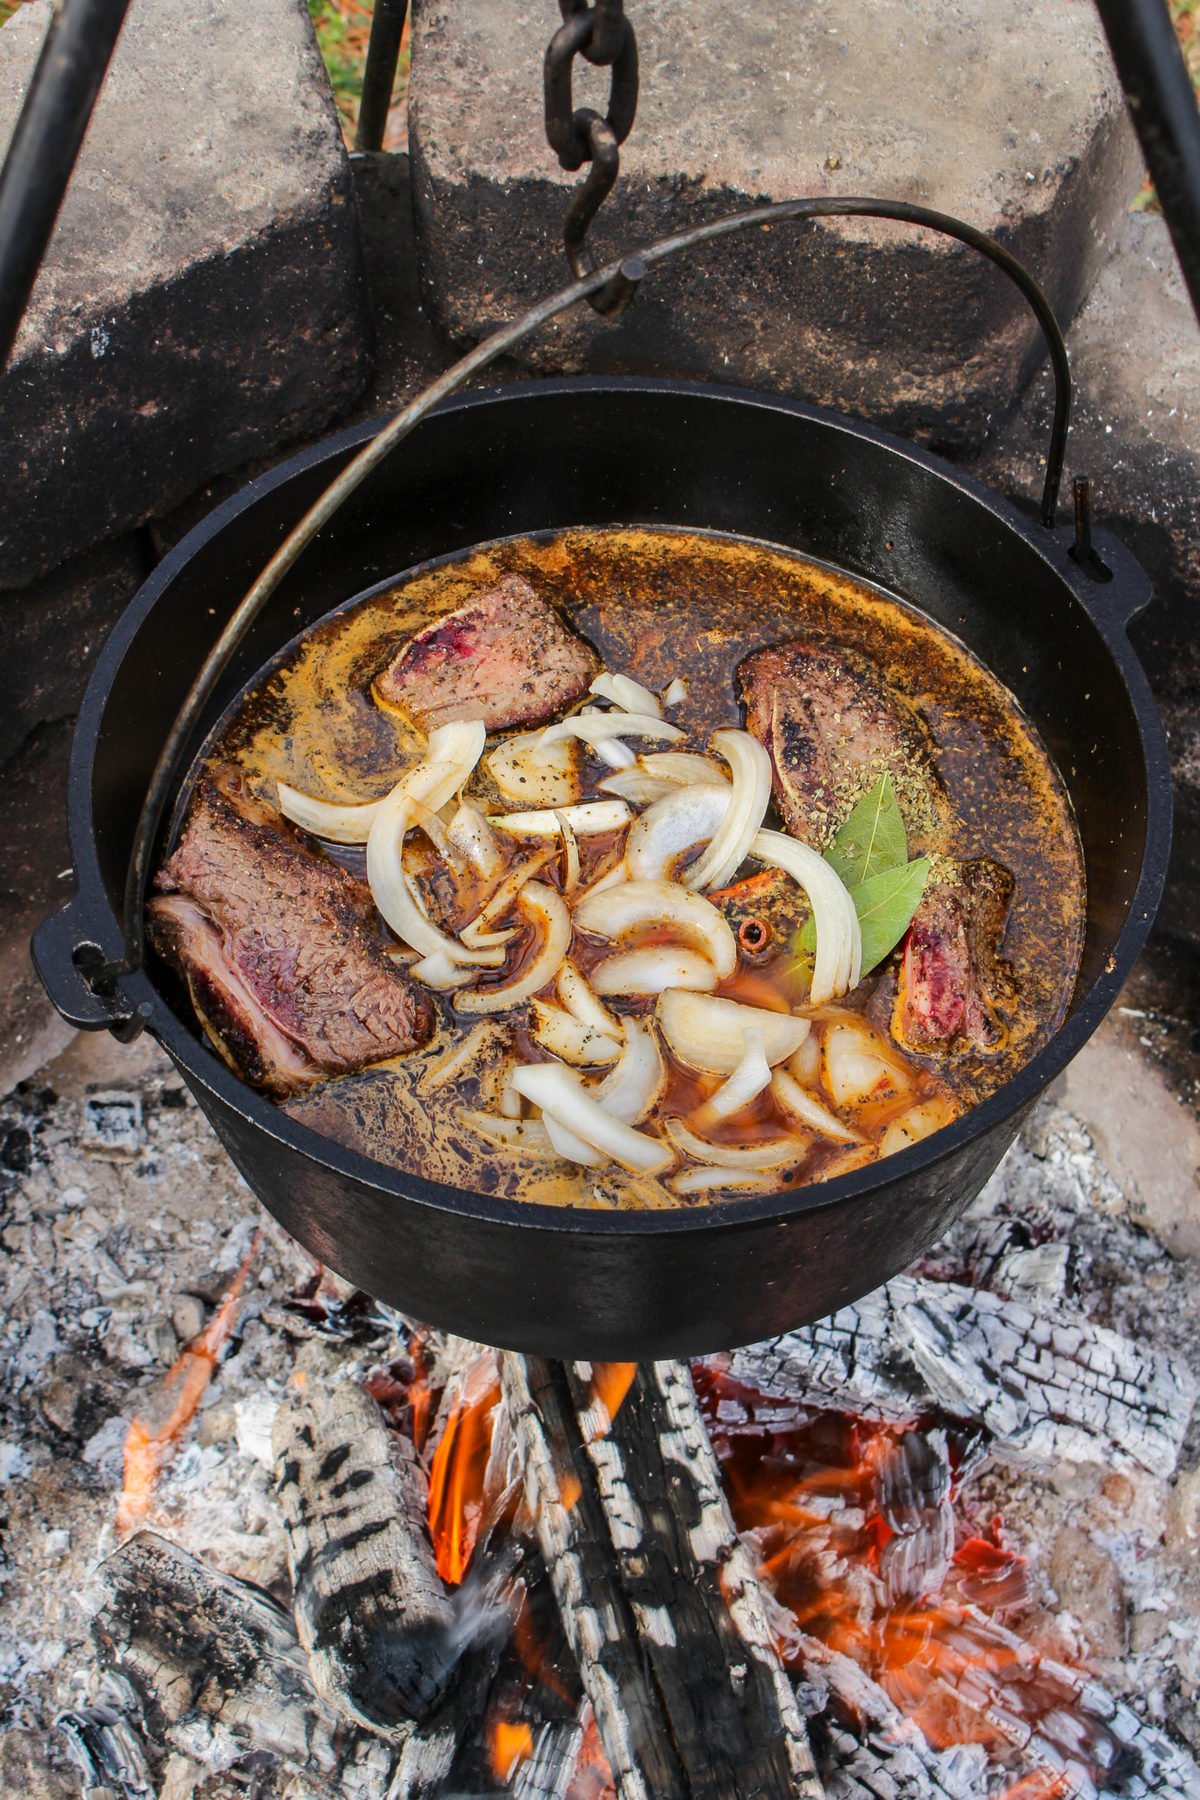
(1109, 608)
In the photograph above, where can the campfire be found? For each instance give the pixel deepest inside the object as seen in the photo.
(776, 1571)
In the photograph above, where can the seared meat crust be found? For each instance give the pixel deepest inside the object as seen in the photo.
(951, 978)
(507, 658)
(278, 948)
(832, 728)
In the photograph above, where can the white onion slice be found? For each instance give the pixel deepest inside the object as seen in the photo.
(855, 1156)
(638, 1078)
(838, 963)
(510, 1102)
(626, 693)
(594, 816)
(611, 878)
(480, 930)
(752, 1075)
(460, 1056)
(582, 1004)
(470, 835)
(920, 1121)
(547, 910)
(751, 767)
(682, 820)
(744, 1181)
(661, 773)
(799, 1104)
(570, 859)
(653, 970)
(453, 751)
(856, 1066)
(635, 905)
(328, 819)
(610, 750)
(772, 1153)
(710, 1034)
(805, 1066)
(596, 727)
(439, 971)
(559, 1090)
(569, 1039)
(675, 692)
(570, 1146)
(551, 779)
(527, 1135)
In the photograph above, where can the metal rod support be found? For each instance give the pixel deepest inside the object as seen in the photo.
(379, 73)
(1163, 108)
(62, 93)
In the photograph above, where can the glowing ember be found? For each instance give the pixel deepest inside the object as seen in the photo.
(456, 1478)
(592, 1779)
(611, 1381)
(151, 1437)
(508, 1745)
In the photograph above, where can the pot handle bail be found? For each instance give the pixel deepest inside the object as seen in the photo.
(74, 971)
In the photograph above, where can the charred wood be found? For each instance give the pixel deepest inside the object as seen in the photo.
(370, 1608)
(1046, 1387)
(108, 1753)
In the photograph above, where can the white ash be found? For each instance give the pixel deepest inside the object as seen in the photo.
(122, 1223)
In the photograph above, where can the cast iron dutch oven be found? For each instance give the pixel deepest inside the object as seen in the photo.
(536, 456)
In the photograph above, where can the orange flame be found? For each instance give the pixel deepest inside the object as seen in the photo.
(148, 1444)
(508, 1745)
(456, 1481)
(611, 1381)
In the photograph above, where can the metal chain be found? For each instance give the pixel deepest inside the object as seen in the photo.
(603, 36)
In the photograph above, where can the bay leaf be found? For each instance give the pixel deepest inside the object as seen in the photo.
(872, 840)
(885, 905)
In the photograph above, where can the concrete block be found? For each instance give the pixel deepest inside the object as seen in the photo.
(1135, 356)
(203, 299)
(1013, 123)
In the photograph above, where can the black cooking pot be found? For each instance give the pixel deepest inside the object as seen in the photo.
(550, 454)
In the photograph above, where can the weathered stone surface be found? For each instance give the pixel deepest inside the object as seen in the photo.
(1135, 354)
(947, 102)
(202, 298)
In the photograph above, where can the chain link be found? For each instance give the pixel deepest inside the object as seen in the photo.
(603, 36)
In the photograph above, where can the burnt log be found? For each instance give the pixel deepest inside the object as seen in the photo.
(1046, 1387)
(658, 1597)
(369, 1606)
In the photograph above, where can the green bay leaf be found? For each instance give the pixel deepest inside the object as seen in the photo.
(885, 905)
(872, 839)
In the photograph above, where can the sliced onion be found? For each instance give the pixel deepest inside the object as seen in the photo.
(772, 1153)
(805, 1066)
(596, 727)
(453, 751)
(799, 1104)
(680, 822)
(920, 1121)
(636, 905)
(626, 693)
(661, 773)
(570, 857)
(595, 816)
(510, 1102)
(480, 930)
(547, 910)
(611, 751)
(441, 972)
(752, 1075)
(559, 1090)
(569, 1039)
(653, 970)
(675, 692)
(856, 1156)
(710, 1034)
(582, 1004)
(460, 1057)
(527, 1135)
(638, 1078)
(838, 964)
(470, 835)
(338, 824)
(551, 779)
(570, 1146)
(856, 1067)
(704, 1180)
(611, 878)
(751, 766)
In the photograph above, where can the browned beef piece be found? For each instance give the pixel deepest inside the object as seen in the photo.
(833, 727)
(279, 951)
(951, 978)
(507, 659)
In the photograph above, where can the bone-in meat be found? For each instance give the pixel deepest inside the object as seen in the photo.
(832, 728)
(507, 658)
(279, 950)
(950, 977)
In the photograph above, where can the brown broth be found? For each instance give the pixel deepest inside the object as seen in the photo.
(657, 604)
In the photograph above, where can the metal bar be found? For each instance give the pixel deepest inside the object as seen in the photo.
(623, 275)
(45, 144)
(379, 72)
(1163, 108)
